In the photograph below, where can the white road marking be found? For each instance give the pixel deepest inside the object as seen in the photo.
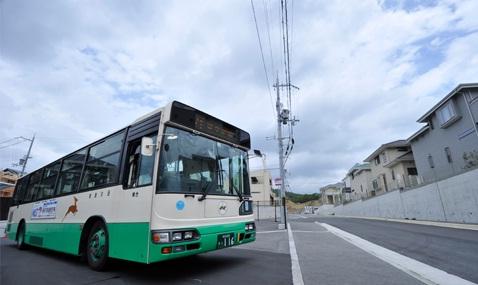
(421, 271)
(269, 232)
(296, 272)
(309, 231)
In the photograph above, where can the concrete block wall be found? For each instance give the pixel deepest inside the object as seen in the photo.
(451, 200)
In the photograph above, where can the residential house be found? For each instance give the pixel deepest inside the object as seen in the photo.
(347, 194)
(359, 180)
(9, 175)
(261, 186)
(332, 194)
(6, 190)
(448, 142)
(392, 167)
(8, 178)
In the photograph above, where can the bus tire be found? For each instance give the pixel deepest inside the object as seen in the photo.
(21, 237)
(97, 247)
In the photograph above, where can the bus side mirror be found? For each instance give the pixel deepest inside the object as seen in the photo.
(147, 146)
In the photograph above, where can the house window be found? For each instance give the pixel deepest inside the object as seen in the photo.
(403, 148)
(412, 171)
(361, 188)
(377, 160)
(254, 180)
(430, 161)
(448, 155)
(375, 184)
(447, 114)
(393, 175)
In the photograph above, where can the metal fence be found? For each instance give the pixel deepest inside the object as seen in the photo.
(267, 210)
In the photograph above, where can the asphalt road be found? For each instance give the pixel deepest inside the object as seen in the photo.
(228, 266)
(452, 250)
(326, 259)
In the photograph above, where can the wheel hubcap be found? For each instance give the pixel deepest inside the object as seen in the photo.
(96, 248)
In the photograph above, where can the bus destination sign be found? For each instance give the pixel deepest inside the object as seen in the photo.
(202, 122)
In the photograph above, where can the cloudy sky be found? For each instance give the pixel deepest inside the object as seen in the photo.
(74, 71)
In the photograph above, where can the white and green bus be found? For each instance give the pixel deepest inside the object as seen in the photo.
(174, 183)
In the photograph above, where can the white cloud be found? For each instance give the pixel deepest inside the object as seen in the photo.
(75, 71)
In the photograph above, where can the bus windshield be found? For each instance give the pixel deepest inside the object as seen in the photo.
(191, 163)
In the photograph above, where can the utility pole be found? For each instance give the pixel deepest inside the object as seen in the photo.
(25, 160)
(282, 224)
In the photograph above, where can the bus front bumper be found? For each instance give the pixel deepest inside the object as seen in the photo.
(210, 238)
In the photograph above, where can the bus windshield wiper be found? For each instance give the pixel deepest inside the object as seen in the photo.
(238, 192)
(204, 191)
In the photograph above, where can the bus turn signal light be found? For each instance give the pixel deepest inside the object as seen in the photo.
(159, 237)
(166, 250)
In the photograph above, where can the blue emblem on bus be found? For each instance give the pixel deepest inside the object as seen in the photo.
(180, 205)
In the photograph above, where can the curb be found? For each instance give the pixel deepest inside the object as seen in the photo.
(472, 227)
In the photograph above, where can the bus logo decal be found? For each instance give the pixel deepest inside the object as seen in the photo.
(44, 209)
(72, 209)
(222, 208)
(180, 205)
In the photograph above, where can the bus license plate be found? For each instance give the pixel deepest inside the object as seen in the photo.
(225, 240)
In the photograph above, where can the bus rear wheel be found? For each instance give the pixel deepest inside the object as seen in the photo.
(21, 237)
(97, 247)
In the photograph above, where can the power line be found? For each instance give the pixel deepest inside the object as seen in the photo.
(266, 15)
(262, 56)
(12, 139)
(11, 144)
(292, 27)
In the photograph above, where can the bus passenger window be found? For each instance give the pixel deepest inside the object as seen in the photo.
(20, 190)
(139, 168)
(103, 162)
(48, 182)
(70, 173)
(33, 186)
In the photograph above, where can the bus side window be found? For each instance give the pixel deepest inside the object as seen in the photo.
(139, 168)
(70, 173)
(34, 185)
(20, 188)
(48, 181)
(103, 162)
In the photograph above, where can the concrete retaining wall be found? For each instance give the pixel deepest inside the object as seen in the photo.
(451, 200)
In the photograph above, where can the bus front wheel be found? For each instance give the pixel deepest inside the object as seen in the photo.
(97, 246)
(21, 237)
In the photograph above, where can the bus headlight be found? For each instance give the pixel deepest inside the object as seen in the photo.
(250, 227)
(159, 237)
(177, 236)
(165, 236)
(188, 235)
